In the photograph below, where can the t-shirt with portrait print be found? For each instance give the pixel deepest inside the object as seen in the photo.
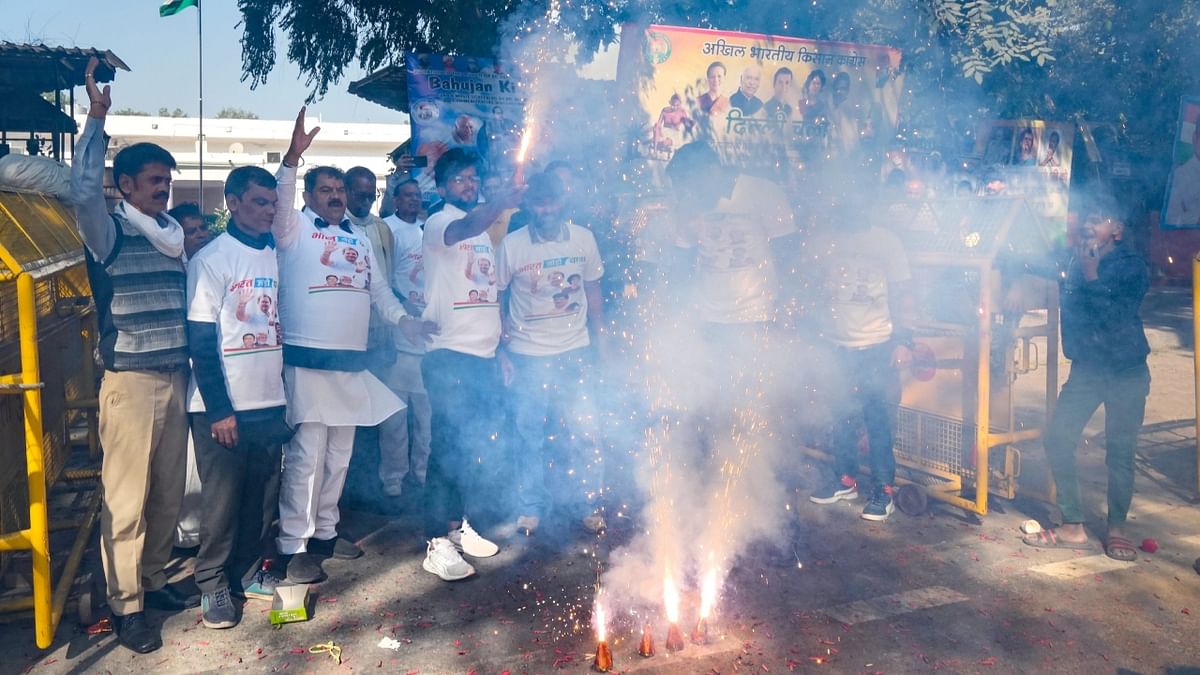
(547, 304)
(859, 269)
(460, 288)
(408, 272)
(235, 287)
(735, 272)
(325, 294)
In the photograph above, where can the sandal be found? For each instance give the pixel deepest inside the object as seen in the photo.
(1048, 539)
(1120, 548)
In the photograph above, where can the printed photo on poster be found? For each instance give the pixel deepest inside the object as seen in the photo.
(1181, 208)
(462, 102)
(1030, 159)
(763, 100)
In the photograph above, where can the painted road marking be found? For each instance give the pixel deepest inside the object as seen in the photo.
(1081, 567)
(886, 606)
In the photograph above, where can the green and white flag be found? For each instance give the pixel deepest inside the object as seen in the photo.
(173, 7)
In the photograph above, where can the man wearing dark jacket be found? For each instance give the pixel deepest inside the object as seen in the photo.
(1101, 291)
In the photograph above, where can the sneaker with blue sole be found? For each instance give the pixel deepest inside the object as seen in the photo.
(844, 488)
(880, 506)
(262, 585)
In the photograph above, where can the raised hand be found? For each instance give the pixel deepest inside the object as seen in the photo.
(301, 139)
(244, 295)
(100, 100)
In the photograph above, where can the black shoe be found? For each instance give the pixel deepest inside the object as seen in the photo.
(336, 548)
(171, 599)
(134, 633)
(304, 568)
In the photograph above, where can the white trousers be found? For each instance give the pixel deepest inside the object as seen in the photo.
(399, 451)
(314, 471)
(187, 532)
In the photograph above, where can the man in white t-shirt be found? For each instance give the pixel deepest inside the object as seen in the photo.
(401, 453)
(865, 278)
(236, 398)
(330, 392)
(726, 222)
(546, 361)
(459, 369)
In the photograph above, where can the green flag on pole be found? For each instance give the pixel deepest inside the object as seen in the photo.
(173, 7)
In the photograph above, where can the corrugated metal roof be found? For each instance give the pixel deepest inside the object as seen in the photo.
(388, 87)
(38, 67)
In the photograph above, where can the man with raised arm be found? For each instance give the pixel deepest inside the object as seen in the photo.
(460, 371)
(135, 266)
(329, 390)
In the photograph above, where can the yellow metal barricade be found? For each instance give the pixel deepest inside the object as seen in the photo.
(47, 382)
(979, 326)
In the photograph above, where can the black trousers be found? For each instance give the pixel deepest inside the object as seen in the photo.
(466, 451)
(239, 496)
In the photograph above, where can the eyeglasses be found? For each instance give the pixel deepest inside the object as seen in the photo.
(463, 180)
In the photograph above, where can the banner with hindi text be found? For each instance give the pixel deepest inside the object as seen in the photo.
(771, 102)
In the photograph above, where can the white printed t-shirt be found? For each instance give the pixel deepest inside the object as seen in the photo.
(461, 294)
(230, 284)
(735, 274)
(858, 268)
(325, 275)
(328, 313)
(408, 272)
(547, 304)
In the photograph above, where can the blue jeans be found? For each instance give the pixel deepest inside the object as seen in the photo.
(556, 433)
(874, 392)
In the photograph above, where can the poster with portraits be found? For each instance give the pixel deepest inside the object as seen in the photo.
(462, 102)
(1181, 204)
(1030, 159)
(766, 101)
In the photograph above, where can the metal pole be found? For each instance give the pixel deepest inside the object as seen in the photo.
(39, 533)
(200, 51)
(1195, 359)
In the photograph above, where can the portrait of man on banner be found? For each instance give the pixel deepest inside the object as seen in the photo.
(1182, 202)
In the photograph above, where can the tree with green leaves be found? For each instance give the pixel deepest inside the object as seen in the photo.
(178, 112)
(966, 60)
(229, 113)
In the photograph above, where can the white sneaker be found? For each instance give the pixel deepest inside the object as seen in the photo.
(528, 523)
(467, 540)
(594, 523)
(443, 560)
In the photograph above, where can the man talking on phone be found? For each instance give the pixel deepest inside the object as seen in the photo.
(1100, 292)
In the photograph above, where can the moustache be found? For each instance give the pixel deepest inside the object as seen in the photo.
(162, 195)
(335, 202)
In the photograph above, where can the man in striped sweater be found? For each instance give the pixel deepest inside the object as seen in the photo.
(135, 266)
